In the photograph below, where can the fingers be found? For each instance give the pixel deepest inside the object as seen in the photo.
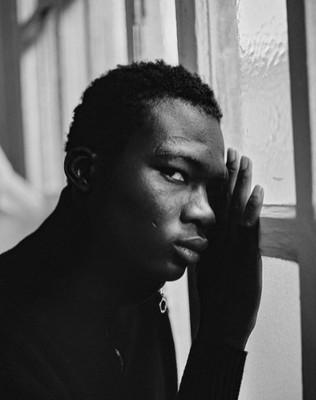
(248, 229)
(242, 188)
(253, 208)
(244, 209)
(232, 165)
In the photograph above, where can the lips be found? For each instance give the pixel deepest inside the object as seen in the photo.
(189, 250)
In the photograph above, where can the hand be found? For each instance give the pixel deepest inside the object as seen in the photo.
(229, 276)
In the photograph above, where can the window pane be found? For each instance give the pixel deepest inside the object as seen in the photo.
(25, 9)
(251, 79)
(107, 35)
(273, 367)
(154, 31)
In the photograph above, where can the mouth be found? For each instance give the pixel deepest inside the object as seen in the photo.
(188, 256)
(189, 250)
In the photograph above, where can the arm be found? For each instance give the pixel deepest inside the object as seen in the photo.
(229, 285)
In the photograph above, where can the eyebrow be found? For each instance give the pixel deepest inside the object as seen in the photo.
(178, 141)
(169, 154)
(172, 155)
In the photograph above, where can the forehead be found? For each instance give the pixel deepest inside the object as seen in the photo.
(175, 126)
(175, 118)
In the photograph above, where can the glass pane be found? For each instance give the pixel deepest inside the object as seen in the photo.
(273, 367)
(25, 9)
(107, 35)
(155, 31)
(251, 79)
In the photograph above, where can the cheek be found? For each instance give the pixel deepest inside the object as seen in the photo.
(146, 206)
(139, 206)
(154, 210)
(161, 207)
(164, 213)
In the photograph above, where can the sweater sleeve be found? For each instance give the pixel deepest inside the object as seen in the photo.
(212, 372)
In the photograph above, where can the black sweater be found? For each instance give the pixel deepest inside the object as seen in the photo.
(49, 352)
(131, 357)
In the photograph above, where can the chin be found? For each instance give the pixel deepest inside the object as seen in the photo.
(163, 272)
(173, 271)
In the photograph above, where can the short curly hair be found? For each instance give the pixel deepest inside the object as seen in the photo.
(116, 104)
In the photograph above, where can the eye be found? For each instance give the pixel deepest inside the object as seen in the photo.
(174, 175)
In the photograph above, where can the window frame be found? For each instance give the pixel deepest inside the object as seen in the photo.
(287, 232)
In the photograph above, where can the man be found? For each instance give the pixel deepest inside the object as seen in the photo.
(148, 191)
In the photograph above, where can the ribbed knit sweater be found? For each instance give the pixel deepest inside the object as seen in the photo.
(48, 351)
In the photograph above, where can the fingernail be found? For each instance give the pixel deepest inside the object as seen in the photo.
(258, 191)
(231, 155)
(244, 162)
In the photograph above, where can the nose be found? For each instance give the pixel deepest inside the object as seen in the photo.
(198, 211)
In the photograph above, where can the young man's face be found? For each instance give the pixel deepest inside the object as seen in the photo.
(158, 212)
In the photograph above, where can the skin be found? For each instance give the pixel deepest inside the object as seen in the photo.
(171, 184)
(161, 196)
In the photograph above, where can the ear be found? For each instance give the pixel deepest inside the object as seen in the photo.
(79, 167)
